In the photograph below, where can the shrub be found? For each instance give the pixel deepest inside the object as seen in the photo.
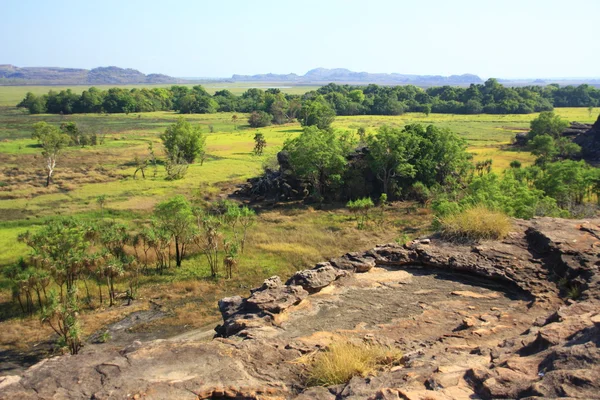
(361, 208)
(259, 119)
(343, 359)
(476, 223)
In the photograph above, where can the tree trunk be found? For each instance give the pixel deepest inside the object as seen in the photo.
(177, 253)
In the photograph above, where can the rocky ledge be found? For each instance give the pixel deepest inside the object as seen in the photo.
(517, 318)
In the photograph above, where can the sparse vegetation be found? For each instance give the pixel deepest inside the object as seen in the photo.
(475, 223)
(343, 359)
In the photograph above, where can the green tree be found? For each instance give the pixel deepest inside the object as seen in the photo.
(390, 154)
(259, 143)
(319, 157)
(61, 247)
(184, 141)
(53, 141)
(259, 119)
(35, 104)
(547, 123)
(101, 201)
(208, 239)
(62, 315)
(176, 217)
(317, 113)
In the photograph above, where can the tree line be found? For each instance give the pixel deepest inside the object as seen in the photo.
(273, 106)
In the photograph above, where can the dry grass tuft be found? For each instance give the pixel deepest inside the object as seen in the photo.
(344, 359)
(476, 223)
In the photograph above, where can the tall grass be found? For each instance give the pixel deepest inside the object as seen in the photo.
(344, 359)
(475, 223)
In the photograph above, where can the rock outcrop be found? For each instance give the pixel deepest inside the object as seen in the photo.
(517, 318)
(590, 142)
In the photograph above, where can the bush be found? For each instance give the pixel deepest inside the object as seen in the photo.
(259, 119)
(361, 208)
(343, 359)
(476, 223)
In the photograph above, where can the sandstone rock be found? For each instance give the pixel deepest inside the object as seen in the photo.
(513, 354)
(354, 262)
(313, 280)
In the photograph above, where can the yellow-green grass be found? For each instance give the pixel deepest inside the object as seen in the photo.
(344, 359)
(475, 223)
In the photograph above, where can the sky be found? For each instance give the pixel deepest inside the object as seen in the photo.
(208, 38)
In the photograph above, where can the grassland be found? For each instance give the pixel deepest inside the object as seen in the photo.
(286, 238)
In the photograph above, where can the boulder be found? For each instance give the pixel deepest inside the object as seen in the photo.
(313, 280)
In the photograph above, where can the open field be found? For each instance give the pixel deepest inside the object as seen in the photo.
(286, 238)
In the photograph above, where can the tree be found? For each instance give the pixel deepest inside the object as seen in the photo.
(184, 141)
(101, 201)
(259, 119)
(390, 153)
(247, 218)
(61, 247)
(319, 157)
(234, 119)
(62, 316)
(175, 216)
(317, 113)
(78, 138)
(547, 123)
(35, 104)
(208, 238)
(140, 166)
(259, 143)
(230, 260)
(53, 141)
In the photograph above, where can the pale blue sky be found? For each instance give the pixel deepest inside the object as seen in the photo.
(499, 38)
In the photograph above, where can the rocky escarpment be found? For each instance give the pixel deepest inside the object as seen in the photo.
(585, 135)
(505, 319)
(590, 142)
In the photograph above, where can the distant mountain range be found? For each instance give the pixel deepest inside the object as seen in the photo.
(342, 75)
(11, 75)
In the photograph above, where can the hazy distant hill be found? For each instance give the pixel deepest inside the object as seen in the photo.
(11, 75)
(342, 75)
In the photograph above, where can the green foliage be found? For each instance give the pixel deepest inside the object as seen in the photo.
(184, 141)
(62, 315)
(259, 119)
(491, 98)
(61, 247)
(361, 208)
(259, 143)
(319, 157)
(53, 141)
(176, 217)
(569, 182)
(317, 113)
(547, 123)
(429, 155)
